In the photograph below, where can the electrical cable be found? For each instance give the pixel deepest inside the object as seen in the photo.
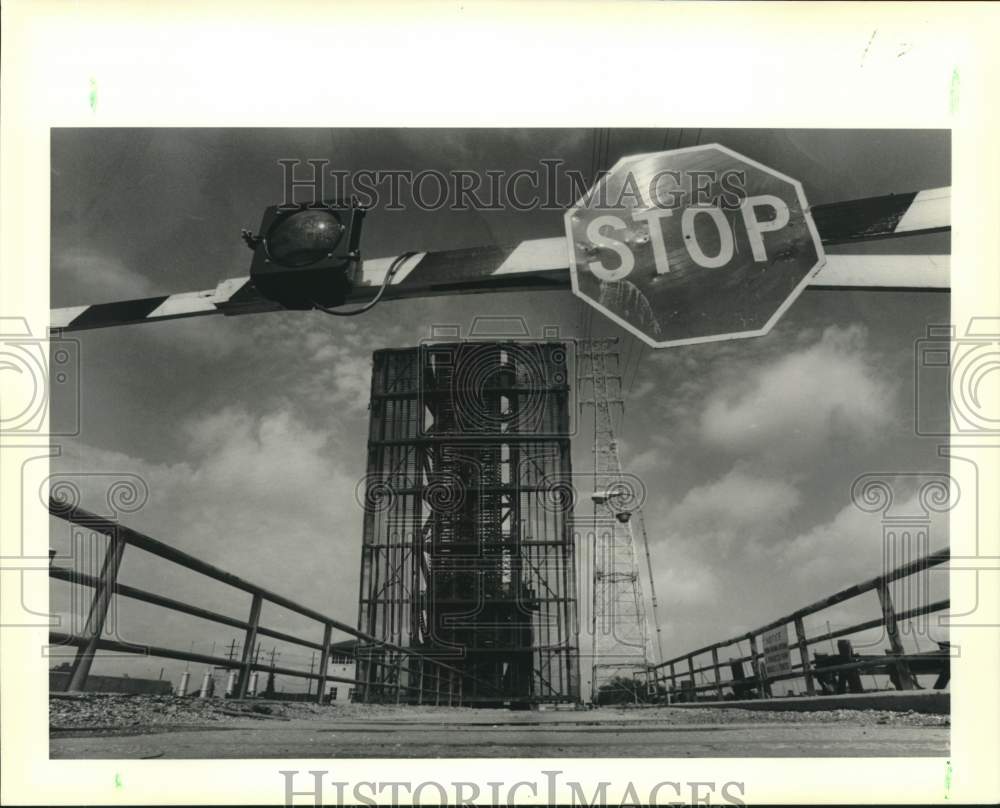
(630, 347)
(389, 273)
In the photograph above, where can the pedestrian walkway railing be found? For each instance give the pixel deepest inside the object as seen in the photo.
(832, 673)
(394, 673)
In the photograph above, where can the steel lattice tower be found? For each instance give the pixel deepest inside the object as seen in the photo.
(618, 617)
(468, 551)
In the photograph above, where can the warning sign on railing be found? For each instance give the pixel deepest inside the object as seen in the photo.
(777, 658)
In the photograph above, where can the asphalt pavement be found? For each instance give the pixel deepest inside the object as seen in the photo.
(361, 731)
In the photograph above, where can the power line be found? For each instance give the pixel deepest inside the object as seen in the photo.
(593, 158)
(642, 355)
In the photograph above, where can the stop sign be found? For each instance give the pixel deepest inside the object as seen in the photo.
(692, 245)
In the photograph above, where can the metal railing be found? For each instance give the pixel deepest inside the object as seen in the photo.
(844, 667)
(395, 673)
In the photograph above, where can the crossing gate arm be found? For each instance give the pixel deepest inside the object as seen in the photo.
(542, 264)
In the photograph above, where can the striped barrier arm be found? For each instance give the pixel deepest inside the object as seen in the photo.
(542, 264)
(884, 216)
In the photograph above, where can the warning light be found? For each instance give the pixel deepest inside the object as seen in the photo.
(304, 238)
(307, 256)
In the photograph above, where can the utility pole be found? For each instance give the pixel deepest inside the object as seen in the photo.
(618, 619)
(270, 676)
(232, 671)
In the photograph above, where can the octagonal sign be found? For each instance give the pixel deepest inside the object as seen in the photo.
(692, 245)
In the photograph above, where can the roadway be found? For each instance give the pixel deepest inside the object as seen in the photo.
(360, 731)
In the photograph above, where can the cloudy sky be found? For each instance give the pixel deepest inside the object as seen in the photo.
(249, 432)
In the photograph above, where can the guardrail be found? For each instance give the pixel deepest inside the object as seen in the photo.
(840, 671)
(396, 674)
